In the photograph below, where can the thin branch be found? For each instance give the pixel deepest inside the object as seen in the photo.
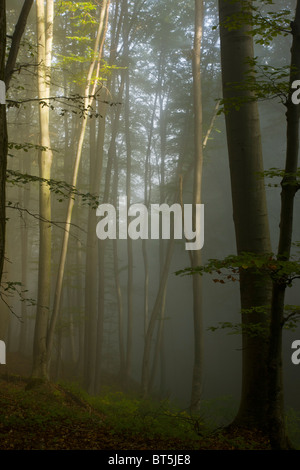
(43, 219)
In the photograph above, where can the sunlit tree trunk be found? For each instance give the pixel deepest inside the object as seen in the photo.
(249, 209)
(44, 46)
(289, 184)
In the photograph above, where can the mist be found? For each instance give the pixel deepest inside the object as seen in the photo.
(122, 316)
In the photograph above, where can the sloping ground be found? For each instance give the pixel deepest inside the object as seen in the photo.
(46, 416)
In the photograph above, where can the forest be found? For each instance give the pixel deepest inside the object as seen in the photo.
(149, 229)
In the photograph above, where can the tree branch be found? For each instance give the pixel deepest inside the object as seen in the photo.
(16, 39)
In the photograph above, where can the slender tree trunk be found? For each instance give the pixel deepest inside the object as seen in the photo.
(290, 186)
(100, 303)
(159, 350)
(117, 279)
(24, 195)
(154, 316)
(249, 209)
(198, 165)
(3, 136)
(45, 38)
(128, 195)
(147, 189)
(91, 269)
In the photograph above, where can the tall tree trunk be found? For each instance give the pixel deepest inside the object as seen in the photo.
(24, 195)
(91, 268)
(128, 195)
(249, 208)
(147, 191)
(100, 302)
(289, 188)
(44, 45)
(198, 165)
(3, 136)
(117, 278)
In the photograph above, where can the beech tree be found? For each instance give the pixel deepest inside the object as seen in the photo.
(6, 72)
(263, 275)
(249, 204)
(44, 47)
(283, 277)
(197, 199)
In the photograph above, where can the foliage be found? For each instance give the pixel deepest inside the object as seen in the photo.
(262, 82)
(62, 189)
(147, 417)
(293, 427)
(265, 25)
(229, 268)
(286, 178)
(46, 416)
(281, 271)
(9, 288)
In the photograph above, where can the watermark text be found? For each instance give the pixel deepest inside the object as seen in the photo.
(2, 92)
(166, 221)
(2, 352)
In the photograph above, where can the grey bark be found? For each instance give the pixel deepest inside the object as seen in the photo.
(198, 170)
(16, 40)
(276, 411)
(249, 208)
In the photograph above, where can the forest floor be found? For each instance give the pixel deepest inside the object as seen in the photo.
(52, 416)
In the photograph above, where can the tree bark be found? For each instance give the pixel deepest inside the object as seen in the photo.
(44, 46)
(289, 186)
(16, 40)
(249, 208)
(198, 167)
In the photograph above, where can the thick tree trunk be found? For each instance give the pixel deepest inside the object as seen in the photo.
(289, 188)
(249, 208)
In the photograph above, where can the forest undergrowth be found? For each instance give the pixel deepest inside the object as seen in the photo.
(36, 415)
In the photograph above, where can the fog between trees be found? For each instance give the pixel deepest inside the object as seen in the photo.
(138, 142)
